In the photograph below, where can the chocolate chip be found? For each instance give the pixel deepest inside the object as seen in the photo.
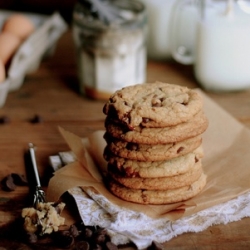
(87, 233)
(4, 119)
(196, 159)
(99, 238)
(180, 149)
(73, 231)
(82, 245)
(132, 146)
(36, 119)
(111, 246)
(184, 103)
(8, 183)
(126, 104)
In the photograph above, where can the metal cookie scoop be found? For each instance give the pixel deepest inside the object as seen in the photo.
(39, 194)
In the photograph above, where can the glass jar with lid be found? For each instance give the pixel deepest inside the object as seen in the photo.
(110, 44)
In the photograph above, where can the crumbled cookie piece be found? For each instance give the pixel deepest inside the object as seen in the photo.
(44, 219)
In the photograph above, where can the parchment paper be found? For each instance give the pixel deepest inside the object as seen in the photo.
(226, 164)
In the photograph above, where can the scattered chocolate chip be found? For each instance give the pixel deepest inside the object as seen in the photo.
(8, 183)
(77, 236)
(4, 119)
(82, 245)
(99, 238)
(36, 119)
(87, 233)
(73, 231)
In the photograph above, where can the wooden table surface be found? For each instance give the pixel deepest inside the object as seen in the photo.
(51, 93)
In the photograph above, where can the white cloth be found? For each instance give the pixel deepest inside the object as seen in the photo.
(126, 226)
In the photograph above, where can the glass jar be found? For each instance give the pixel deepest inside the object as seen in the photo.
(110, 45)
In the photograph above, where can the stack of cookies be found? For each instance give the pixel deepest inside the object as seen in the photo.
(154, 143)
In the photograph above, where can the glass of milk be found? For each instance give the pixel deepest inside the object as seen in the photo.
(221, 56)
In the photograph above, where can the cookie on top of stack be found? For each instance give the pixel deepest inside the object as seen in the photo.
(154, 143)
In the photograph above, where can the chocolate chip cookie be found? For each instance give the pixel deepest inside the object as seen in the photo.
(153, 105)
(193, 127)
(153, 169)
(156, 152)
(154, 143)
(158, 197)
(161, 183)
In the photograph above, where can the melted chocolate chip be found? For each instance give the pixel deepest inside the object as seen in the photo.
(180, 149)
(196, 159)
(132, 146)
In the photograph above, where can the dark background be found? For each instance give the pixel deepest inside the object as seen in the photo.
(65, 7)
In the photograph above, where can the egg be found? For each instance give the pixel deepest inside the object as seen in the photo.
(2, 72)
(19, 25)
(9, 43)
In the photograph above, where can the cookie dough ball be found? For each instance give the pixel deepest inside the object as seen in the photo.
(19, 25)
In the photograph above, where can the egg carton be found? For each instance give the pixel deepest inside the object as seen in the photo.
(27, 58)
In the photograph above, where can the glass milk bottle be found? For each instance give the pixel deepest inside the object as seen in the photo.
(110, 41)
(221, 55)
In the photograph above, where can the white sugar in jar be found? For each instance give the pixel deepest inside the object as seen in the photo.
(110, 47)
